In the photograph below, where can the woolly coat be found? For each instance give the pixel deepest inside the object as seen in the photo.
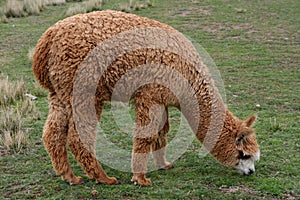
(63, 47)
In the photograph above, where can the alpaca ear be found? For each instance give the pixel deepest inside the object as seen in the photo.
(250, 121)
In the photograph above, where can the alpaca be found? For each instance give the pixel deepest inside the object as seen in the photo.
(61, 56)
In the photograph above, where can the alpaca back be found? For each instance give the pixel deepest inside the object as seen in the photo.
(64, 46)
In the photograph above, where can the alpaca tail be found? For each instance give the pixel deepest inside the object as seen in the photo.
(41, 57)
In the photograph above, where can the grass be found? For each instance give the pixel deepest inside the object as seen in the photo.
(255, 45)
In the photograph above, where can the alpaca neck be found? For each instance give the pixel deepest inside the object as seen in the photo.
(212, 119)
(225, 144)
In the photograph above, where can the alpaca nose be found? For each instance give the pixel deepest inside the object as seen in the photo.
(251, 171)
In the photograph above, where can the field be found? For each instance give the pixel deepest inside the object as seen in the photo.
(256, 47)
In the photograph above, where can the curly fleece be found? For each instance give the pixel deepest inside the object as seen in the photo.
(62, 49)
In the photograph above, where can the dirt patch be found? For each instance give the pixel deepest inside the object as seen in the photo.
(232, 189)
(216, 27)
(291, 195)
(185, 12)
(204, 12)
(193, 11)
(234, 31)
(244, 26)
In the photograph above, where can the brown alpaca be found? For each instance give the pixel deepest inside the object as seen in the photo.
(59, 57)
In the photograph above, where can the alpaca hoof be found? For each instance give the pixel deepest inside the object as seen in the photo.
(72, 179)
(141, 182)
(76, 181)
(167, 166)
(109, 181)
(114, 181)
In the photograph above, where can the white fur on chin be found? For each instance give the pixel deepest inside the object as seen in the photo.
(246, 167)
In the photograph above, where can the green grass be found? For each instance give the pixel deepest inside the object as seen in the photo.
(255, 45)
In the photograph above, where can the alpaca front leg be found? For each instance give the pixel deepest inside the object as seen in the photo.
(139, 161)
(86, 157)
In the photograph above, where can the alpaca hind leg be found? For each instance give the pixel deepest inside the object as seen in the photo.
(158, 147)
(55, 139)
(85, 155)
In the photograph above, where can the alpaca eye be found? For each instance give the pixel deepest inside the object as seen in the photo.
(243, 156)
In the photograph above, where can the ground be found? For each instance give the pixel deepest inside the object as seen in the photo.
(255, 46)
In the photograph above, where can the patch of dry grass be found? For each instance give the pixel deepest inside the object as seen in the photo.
(93, 5)
(124, 7)
(149, 3)
(15, 8)
(3, 18)
(33, 7)
(11, 92)
(30, 54)
(55, 2)
(22, 8)
(85, 7)
(12, 136)
(133, 5)
(15, 109)
(75, 9)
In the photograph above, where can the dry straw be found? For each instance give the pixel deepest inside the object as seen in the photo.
(84, 7)
(15, 8)
(33, 7)
(15, 109)
(55, 2)
(30, 54)
(11, 92)
(12, 136)
(3, 18)
(75, 9)
(93, 5)
(133, 5)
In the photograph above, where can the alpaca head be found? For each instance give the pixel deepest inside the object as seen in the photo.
(237, 145)
(247, 147)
